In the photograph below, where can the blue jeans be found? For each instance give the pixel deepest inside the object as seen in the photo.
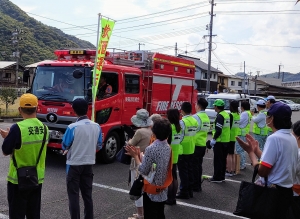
(240, 151)
(261, 140)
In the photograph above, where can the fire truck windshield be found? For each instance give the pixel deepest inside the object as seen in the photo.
(58, 84)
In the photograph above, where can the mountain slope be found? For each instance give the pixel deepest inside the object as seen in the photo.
(39, 40)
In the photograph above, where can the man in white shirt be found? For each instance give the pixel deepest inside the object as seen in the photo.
(260, 128)
(244, 125)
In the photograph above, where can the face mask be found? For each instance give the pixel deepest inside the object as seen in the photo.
(269, 123)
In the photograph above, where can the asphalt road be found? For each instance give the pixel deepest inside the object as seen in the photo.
(110, 192)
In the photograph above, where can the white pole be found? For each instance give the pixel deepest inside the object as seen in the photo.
(94, 72)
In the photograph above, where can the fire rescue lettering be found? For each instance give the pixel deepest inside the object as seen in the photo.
(164, 105)
(36, 130)
(132, 99)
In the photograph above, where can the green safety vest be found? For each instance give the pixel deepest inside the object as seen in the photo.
(225, 135)
(188, 142)
(235, 129)
(32, 133)
(246, 130)
(261, 131)
(201, 135)
(175, 144)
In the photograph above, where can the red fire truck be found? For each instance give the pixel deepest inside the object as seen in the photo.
(139, 79)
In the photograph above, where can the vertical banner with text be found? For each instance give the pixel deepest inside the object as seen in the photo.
(106, 30)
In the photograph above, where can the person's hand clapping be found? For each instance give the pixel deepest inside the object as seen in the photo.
(132, 151)
(250, 145)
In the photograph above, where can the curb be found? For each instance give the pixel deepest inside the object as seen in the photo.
(17, 119)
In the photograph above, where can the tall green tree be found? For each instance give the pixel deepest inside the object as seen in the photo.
(8, 95)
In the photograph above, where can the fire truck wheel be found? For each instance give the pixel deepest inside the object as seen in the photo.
(110, 148)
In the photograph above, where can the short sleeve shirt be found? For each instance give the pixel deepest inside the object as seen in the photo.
(281, 154)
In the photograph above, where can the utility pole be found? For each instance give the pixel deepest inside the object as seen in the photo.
(279, 71)
(257, 75)
(176, 49)
(15, 40)
(244, 91)
(209, 43)
(140, 45)
(248, 86)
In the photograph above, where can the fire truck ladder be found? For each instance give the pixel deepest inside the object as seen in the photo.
(149, 89)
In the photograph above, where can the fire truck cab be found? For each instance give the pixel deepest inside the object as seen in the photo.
(138, 79)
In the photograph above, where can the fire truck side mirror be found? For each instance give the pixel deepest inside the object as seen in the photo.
(26, 75)
(77, 74)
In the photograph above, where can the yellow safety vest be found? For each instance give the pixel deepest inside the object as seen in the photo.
(188, 142)
(201, 135)
(32, 133)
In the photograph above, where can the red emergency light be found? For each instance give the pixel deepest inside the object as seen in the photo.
(76, 55)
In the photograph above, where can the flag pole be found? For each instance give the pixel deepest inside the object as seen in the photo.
(94, 71)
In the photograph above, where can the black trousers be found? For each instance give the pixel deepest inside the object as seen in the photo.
(185, 167)
(153, 210)
(24, 203)
(80, 177)
(197, 166)
(294, 209)
(220, 155)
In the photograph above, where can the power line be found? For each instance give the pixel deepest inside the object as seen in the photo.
(164, 11)
(178, 18)
(94, 33)
(248, 44)
(258, 2)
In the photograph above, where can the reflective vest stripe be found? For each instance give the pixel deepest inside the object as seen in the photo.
(235, 129)
(260, 131)
(246, 130)
(175, 144)
(201, 135)
(188, 142)
(225, 135)
(31, 143)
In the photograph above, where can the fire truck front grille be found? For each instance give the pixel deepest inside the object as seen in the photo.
(58, 122)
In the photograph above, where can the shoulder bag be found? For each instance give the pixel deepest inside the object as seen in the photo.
(256, 201)
(27, 176)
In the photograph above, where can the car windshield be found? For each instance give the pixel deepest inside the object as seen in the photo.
(212, 100)
(58, 83)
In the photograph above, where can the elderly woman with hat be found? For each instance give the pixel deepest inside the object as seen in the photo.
(278, 160)
(141, 139)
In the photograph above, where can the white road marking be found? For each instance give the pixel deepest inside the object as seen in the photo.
(178, 202)
(229, 180)
(208, 158)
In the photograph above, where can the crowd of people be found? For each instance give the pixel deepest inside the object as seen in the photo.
(163, 145)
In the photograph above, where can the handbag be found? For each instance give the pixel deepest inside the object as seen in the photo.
(122, 157)
(136, 189)
(27, 176)
(257, 201)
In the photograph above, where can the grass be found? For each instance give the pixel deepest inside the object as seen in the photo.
(12, 109)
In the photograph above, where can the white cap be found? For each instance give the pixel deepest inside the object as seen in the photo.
(261, 102)
(271, 98)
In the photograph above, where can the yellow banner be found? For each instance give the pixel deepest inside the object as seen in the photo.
(107, 27)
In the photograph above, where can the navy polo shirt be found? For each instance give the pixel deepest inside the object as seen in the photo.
(12, 140)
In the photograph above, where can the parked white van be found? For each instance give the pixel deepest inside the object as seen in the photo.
(227, 98)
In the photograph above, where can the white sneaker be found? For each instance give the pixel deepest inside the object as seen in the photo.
(228, 173)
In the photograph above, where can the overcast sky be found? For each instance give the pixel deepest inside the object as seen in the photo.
(272, 27)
